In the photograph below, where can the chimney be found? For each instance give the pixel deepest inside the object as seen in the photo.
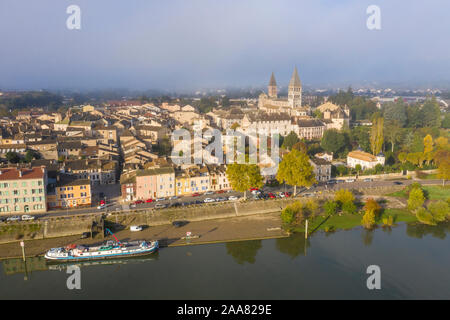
(20, 173)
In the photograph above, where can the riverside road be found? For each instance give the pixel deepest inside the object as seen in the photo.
(188, 200)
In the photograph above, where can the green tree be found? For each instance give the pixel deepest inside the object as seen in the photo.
(440, 210)
(425, 216)
(416, 199)
(330, 207)
(296, 170)
(344, 196)
(392, 133)
(12, 157)
(244, 176)
(333, 141)
(396, 112)
(431, 113)
(376, 135)
(290, 140)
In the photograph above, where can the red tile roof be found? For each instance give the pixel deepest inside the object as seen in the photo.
(14, 173)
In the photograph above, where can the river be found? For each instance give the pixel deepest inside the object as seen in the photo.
(414, 263)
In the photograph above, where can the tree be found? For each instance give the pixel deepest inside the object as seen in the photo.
(371, 209)
(416, 199)
(12, 157)
(368, 220)
(425, 216)
(402, 157)
(344, 196)
(358, 168)
(244, 176)
(440, 210)
(396, 112)
(333, 141)
(443, 165)
(301, 146)
(431, 113)
(330, 207)
(392, 132)
(376, 135)
(290, 140)
(349, 208)
(296, 170)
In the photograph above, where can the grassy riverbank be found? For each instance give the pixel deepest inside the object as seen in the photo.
(433, 192)
(349, 221)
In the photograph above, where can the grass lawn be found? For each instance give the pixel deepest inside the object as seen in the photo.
(434, 192)
(350, 221)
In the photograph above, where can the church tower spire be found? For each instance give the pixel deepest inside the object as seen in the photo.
(295, 90)
(272, 88)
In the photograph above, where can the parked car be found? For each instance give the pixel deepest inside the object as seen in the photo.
(160, 199)
(233, 198)
(219, 199)
(2, 219)
(85, 235)
(138, 202)
(13, 218)
(160, 206)
(148, 200)
(196, 194)
(331, 181)
(229, 191)
(173, 198)
(133, 205)
(368, 180)
(253, 189)
(221, 191)
(398, 182)
(208, 200)
(176, 204)
(27, 217)
(178, 224)
(135, 228)
(350, 180)
(101, 206)
(271, 195)
(207, 193)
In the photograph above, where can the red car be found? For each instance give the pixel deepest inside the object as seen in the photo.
(102, 202)
(149, 200)
(287, 194)
(271, 195)
(252, 189)
(196, 194)
(220, 191)
(138, 202)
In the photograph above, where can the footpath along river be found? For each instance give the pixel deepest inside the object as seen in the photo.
(414, 262)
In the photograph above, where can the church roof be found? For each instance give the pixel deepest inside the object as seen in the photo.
(272, 81)
(295, 80)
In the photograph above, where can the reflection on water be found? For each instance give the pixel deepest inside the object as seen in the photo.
(244, 251)
(33, 264)
(413, 259)
(418, 230)
(293, 246)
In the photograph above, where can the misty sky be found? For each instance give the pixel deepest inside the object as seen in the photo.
(190, 44)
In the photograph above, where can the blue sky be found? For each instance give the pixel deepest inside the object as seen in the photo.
(190, 44)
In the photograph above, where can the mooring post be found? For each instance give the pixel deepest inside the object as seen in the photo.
(306, 229)
(22, 244)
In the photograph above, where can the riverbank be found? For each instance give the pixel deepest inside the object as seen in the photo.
(253, 227)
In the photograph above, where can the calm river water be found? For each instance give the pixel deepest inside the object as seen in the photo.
(414, 262)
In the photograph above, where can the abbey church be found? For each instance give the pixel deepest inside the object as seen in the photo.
(292, 105)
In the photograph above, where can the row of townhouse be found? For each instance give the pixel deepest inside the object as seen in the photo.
(164, 182)
(29, 190)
